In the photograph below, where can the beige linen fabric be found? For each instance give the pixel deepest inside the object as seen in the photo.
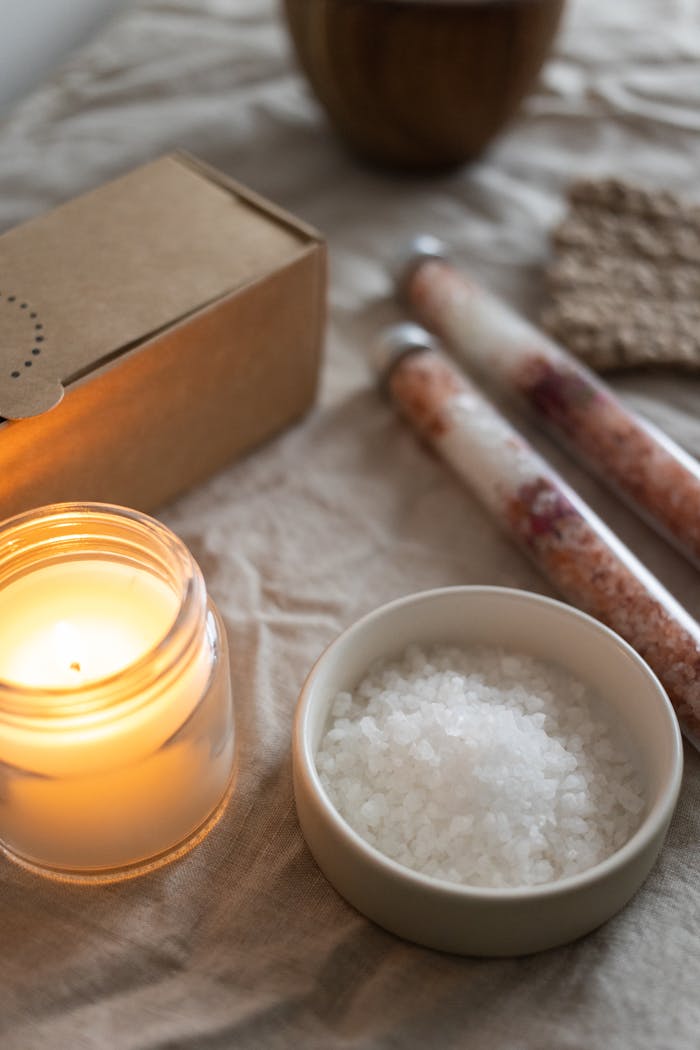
(243, 943)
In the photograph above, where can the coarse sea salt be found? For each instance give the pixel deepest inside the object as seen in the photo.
(481, 767)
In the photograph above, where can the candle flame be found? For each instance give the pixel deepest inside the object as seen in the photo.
(67, 646)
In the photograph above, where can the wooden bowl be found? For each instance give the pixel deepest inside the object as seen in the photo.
(421, 83)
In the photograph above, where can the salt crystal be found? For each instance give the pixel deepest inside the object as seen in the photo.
(480, 766)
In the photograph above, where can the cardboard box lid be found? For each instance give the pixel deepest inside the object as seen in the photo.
(104, 272)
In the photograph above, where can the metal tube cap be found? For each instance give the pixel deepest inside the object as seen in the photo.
(420, 249)
(394, 342)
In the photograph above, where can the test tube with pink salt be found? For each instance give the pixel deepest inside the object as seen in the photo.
(566, 540)
(647, 469)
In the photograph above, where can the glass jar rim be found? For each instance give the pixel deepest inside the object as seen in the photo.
(106, 695)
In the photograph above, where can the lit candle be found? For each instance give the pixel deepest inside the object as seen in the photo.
(68, 624)
(116, 729)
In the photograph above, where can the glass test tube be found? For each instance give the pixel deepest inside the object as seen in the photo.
(657, 478)
(580, 556)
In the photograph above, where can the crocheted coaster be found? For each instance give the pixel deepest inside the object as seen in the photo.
(625, 280)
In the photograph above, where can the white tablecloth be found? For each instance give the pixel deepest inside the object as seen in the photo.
(243, 943)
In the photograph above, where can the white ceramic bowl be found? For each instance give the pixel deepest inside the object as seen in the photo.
(477, 920)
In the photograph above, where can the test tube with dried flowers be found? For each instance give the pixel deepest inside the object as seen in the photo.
(575, 550)
(652, 473)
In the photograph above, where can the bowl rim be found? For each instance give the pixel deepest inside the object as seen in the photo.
(652, 825)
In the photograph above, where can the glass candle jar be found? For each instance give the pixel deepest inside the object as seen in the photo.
(116, 718)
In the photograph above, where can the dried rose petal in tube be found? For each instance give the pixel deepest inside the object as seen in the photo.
(655, 477)
(565, 539)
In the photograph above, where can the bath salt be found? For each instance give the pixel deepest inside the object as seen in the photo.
(480, 766)
(653, 474)
(580, 556)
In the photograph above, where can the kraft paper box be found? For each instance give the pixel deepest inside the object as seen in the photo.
(150, 331)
